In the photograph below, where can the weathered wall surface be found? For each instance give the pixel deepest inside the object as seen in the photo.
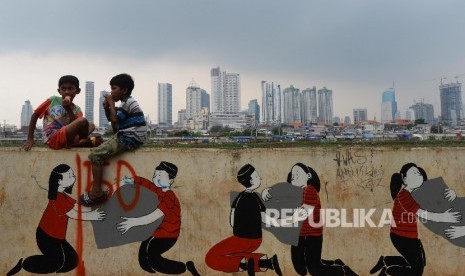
(351, 178)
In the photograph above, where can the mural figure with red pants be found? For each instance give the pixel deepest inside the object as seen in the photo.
(57, 254)
(237, 253)
(404, 231)
(167, 233)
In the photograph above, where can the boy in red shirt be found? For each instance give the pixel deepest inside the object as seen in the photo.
(64, 125)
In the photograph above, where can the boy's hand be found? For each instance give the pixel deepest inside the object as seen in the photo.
(67, 101)
(28, 145)
(108, 101)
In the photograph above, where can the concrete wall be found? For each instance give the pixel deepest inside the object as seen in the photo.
(351, 178)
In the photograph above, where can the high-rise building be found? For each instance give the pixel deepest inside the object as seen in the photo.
(165, 104)
(226, 99)
(254, 109)
(182, 118)
(271, 103)
(325, 105)
(410, 114)
(89, 108)
(226, 92)
(360, 115)
(196, 99)
(103, 121)
(423, 111)
(388, 106)
(309, 106)
(26, 113)
(451, 103)
(291, 105)
(347, 120)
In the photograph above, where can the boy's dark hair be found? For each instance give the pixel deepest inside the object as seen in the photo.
(123, 81)
(68, 79)
(55, 176)
(244, 175)
(170, 168)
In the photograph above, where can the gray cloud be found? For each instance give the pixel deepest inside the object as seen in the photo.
(370, 42)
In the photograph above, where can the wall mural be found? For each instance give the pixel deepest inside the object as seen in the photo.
(238, 252)
(58, 256)
(148, 211)
(406, 209)
(306, 239)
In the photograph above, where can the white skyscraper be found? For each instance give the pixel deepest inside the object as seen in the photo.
(89, 108)
(165, 104)
(325, 105)
(226, 99)
(26, 113)
(271, 103)
(291, 105)
(103, 121)
(226, 92)
(309, 105)
(196, 99)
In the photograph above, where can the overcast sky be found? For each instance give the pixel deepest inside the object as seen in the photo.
(356, 48)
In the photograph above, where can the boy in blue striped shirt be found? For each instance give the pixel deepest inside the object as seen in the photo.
(129, 128)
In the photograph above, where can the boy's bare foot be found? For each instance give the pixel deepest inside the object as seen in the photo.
(96, 140)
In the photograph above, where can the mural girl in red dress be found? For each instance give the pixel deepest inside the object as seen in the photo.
(57, 254)
(404, 231)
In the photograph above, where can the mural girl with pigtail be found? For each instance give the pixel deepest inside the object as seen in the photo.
(404, 231)
(306, 256)
(57, 254)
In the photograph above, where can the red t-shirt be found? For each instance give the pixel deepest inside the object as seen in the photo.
(169, 205)
(54, 221)
(404, 214)
(312, 198)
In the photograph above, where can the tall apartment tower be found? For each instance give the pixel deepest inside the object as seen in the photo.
(451, 103)
(196, 99)
(388, 106)
(271, 103)
(89, 108)
(103, 121)
(254, 109)
(291, 105)
(26, 113)
(309, 106)
(423, 111)
(360, 115)
(347, 120)
(182, 118)
(325, 105)
(165, 104)
(226, 92)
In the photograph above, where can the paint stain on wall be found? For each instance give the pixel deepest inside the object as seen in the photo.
(2, 196)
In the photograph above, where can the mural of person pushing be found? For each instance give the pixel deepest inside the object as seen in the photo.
(166, 235)
(237, 253)
(306, 255)
(404, 231)
(57, 254)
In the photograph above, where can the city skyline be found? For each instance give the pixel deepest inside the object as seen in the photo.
(356, 50)
(297, 107)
